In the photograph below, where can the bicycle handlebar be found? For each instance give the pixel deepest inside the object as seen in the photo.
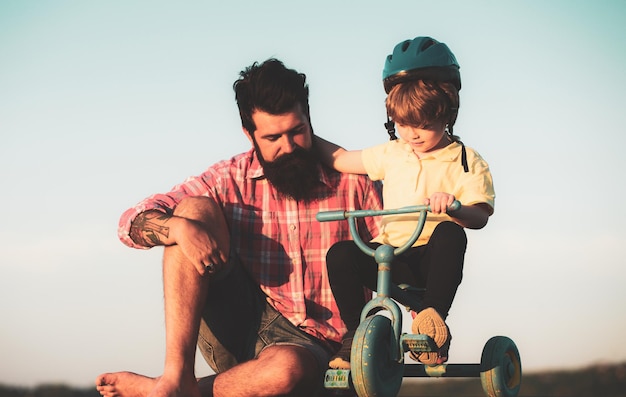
(327, 216)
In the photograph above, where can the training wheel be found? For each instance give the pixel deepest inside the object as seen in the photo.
(500, 368)
(374, 372)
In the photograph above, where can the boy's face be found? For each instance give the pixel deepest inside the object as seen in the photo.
(424, 139)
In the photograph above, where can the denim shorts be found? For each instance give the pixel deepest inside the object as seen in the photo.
(238, 324)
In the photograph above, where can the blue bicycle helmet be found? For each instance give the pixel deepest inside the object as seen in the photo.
(422, 58)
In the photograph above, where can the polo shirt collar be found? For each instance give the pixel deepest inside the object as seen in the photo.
(448, 153)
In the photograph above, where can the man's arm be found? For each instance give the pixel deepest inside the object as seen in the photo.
(152, 228)
(197, 226)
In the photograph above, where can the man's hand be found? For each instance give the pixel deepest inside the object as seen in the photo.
(198, 244)
(206, 242)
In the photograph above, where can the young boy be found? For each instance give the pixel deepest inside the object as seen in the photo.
(426, 165)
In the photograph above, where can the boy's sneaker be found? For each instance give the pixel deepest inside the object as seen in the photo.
(429, 322)
(341, 360)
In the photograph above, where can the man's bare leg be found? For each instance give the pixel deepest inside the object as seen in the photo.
(185, 292)
(278, 371)
(183, 289)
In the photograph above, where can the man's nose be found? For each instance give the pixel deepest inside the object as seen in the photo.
(287, 145)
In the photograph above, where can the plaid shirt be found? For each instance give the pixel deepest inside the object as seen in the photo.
(278, 239)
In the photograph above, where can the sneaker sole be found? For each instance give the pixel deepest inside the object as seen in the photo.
(429, 322)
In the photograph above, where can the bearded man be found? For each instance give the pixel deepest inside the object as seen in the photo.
(244, 266)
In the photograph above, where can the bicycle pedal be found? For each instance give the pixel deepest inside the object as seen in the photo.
(337, 379)
(418, 343)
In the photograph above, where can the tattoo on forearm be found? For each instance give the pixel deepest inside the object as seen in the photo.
(144, 231)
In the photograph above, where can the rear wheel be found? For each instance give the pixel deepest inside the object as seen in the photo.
(500, 368)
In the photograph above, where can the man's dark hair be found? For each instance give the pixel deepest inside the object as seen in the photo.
(272, 88)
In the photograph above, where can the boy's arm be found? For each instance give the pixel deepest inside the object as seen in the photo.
(473, 216)
(339, 158)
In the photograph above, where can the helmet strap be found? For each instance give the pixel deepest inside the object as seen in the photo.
(455, 138)
(464, 158)
(391, 129)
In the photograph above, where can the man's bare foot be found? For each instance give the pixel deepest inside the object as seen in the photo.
(125, 384)
(130, 384)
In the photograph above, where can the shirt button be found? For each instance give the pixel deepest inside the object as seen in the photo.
(292, 227)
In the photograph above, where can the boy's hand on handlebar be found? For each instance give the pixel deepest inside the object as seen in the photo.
(440, 202)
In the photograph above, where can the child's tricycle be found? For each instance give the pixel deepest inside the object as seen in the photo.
(377, 357)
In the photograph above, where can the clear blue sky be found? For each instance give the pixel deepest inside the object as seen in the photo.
(104, 103)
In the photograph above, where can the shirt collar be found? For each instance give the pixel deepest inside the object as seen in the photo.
(448, 153)
(255, 170)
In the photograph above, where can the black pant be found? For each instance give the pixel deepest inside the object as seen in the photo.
(436, 266)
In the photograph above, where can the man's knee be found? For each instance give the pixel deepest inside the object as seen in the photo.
(295, 370)
(197, 207)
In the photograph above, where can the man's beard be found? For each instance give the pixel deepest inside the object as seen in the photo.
(294, 175)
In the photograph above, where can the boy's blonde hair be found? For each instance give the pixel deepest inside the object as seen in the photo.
(419, 103)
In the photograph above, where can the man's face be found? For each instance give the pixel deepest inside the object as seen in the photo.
(283, 144)
(277, 135)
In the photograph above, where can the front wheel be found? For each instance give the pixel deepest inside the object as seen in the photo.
(500, 368)
(374, 371)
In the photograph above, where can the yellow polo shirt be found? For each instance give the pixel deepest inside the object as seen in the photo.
(408, 180)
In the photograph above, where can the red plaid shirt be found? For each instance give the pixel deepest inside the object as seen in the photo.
(278, 239)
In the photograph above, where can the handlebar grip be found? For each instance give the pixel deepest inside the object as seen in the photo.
(327, 216)
(456, 205)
